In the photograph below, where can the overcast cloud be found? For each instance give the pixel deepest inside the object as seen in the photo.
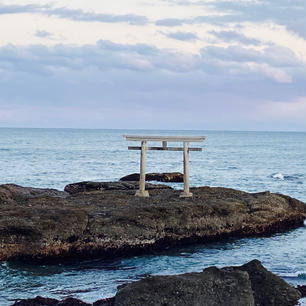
(207, 65)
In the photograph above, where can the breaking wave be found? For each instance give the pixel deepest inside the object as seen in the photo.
(283, 177)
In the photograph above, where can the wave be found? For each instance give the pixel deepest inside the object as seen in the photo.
(283, 177)
(278, 176)
(302, 275)
(295, 276)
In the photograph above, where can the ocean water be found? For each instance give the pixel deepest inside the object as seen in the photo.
(249, 161)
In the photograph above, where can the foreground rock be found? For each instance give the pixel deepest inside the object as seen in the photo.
(44, 226)
(247, 285)
(166, 177)
(302, 290)
(41, 301)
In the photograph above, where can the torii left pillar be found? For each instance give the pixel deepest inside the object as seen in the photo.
(186, 193)
(142, 192)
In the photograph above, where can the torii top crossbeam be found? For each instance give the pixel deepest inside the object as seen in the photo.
(164, 139)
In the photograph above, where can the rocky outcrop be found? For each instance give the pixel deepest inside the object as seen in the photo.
(42, 301)
(11, 193)
(211, 287)
(302, 290)
(247, 285)
(166, 177)
(268, 288)
(104, 186)
(44, 226)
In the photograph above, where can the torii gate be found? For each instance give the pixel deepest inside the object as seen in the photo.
(164, 139)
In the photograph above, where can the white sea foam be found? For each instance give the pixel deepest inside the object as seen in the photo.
(278, 176)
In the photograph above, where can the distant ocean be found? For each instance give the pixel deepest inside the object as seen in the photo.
(249, 161)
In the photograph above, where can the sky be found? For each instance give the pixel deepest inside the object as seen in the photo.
(153, 64)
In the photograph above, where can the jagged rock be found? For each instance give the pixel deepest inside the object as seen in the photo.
(116, 223)
(247, 285)
(166, 177)
(41, 301)
(105, 302)
(102, 186)
(9, 193)
(302, 290)
(38, 301)
(210, 288)
(72, 302)
(269, 289)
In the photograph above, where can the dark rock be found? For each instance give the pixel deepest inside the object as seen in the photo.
(72, 302)
(116, 223)
(41, 301)
(247, 285)
(38, 301)
(302, 290)
(212, 287)
(103, 186)
(11, 192)
(166, 177)
(250, 284)
(269, 289)
(105, 302)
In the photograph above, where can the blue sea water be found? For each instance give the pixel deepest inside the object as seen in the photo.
(249, 161)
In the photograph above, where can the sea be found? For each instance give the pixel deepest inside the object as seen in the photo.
(249, 161)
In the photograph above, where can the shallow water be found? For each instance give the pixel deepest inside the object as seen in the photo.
(250, 161)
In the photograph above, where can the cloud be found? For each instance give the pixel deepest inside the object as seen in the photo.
(73, 14)
(290, 13)
(43, 34)
(273, 55)
(16, 9)
(80, 15)
(171, 22)
(116, 85)
(184, 36)
(284, 110)
(233, 36)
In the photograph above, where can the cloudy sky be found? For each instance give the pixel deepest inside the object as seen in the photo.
(160, 64)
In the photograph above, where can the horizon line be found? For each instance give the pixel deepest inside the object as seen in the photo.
(151, 129)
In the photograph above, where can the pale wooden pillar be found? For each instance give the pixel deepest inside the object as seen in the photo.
(142, 177)
(186, 193)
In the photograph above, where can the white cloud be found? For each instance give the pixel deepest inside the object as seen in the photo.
(275, 73)
(283, 110)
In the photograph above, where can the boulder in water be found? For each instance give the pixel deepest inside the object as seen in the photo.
(166, 177)
(88, 186)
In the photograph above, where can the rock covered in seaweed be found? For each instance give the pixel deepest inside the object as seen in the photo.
(45, 226)
(166, 177)
(88, 186)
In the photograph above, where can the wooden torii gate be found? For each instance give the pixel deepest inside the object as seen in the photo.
(164, 139)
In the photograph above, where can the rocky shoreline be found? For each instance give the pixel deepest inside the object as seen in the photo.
(247, 285)
(100, 219)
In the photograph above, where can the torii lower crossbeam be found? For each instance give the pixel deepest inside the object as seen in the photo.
(164, 139)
